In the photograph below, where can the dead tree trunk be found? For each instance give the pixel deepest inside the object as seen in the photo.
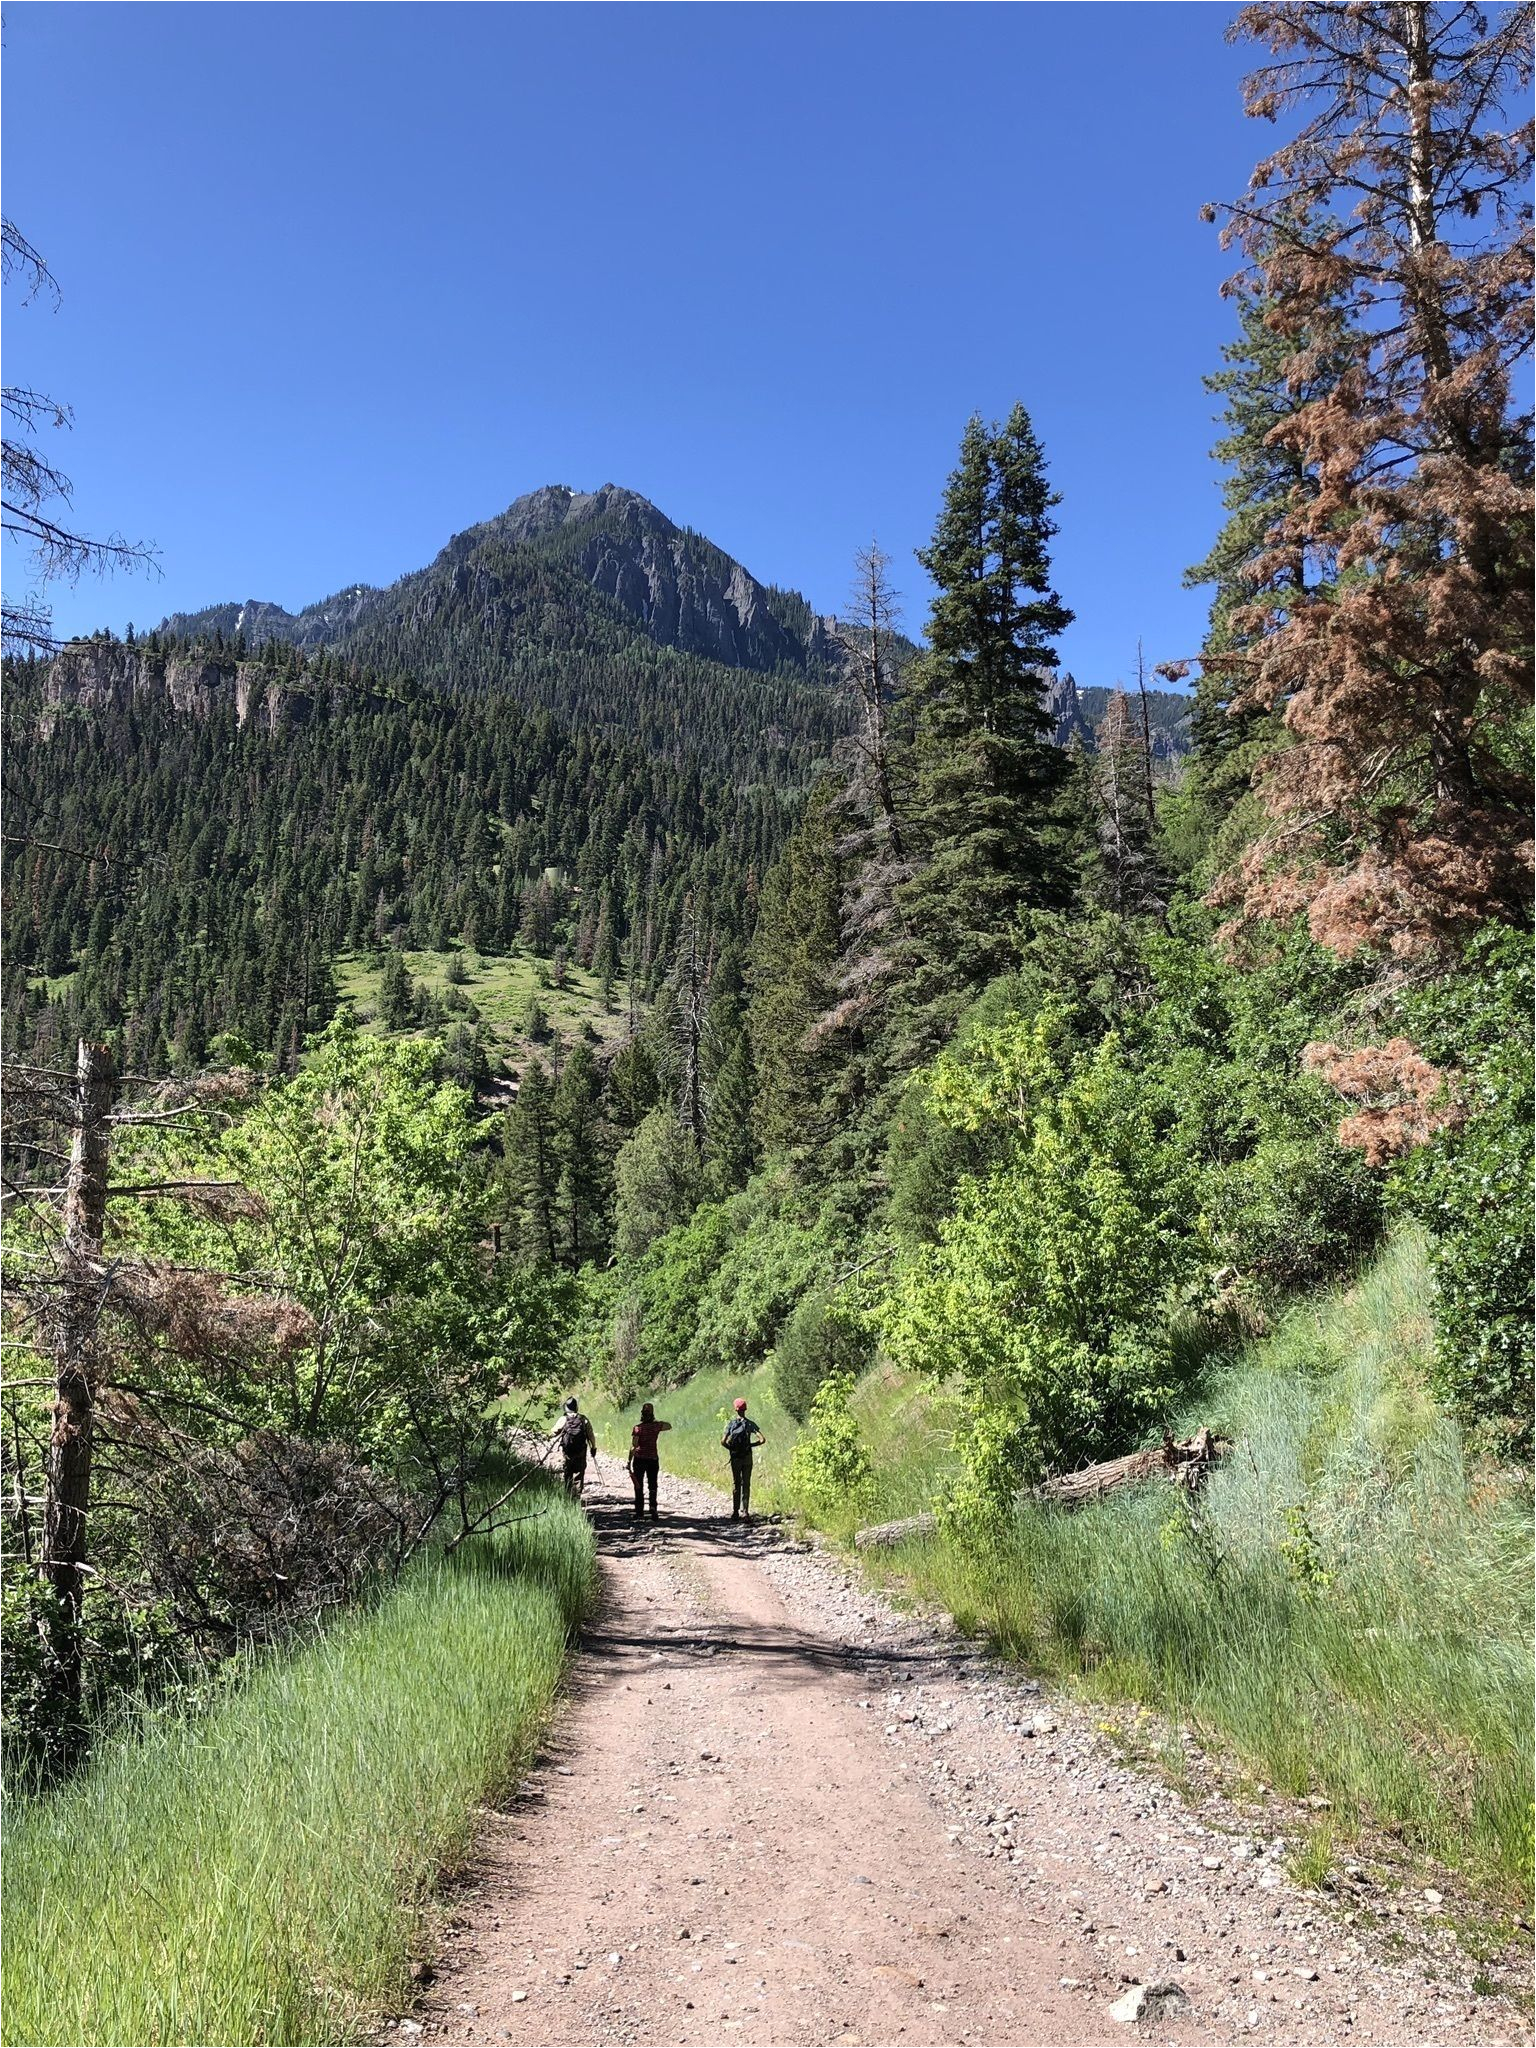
(67, 1480)
(1186, 1464)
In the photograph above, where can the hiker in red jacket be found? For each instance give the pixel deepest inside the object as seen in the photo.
(644, 1464)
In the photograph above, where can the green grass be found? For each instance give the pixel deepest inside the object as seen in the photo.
(259, 1871)
(906, 1426)
(499, 987)
(1348, 1616)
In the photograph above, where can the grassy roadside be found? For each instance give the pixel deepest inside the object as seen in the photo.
(1347, 1614)
(258, 1872)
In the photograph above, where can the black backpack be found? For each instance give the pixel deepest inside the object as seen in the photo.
(573, 1434)
(738, 1435)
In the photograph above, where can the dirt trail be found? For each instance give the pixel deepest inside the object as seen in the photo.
(775, 1811)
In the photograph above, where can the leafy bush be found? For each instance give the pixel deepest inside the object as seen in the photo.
(657, 1308)
(1472, 1188)
(773, 1258)
(831, 1474)
(815, 1344)
(714, 1291)
(1044, 1296)
(658, 1179)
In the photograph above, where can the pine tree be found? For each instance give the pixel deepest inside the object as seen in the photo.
(793, 980)
(582, 1149)
(397, 993)
(984, 773)
(1398, 808)
(1262, 389)
(530, 1169)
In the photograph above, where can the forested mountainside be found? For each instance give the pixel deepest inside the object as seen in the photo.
(595, 607)
(249, 819)
(579, 715)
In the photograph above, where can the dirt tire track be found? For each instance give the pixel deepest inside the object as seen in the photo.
(731, 1840)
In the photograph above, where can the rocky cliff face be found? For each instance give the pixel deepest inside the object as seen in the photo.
(102, 675)
(679, 588)
(1061, 702)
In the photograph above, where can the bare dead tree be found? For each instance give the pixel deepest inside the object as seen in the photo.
(1121, 792)
(37, 496)
(692, 984)
(1146, 731)
(874, 608)
(76, 1321)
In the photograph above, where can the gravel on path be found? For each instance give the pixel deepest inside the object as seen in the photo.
(778, 1810)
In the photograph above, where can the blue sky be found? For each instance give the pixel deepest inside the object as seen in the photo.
(340, 280)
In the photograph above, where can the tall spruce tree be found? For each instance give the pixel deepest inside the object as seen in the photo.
(530, 1168)
(984, 774)
(582, 1148)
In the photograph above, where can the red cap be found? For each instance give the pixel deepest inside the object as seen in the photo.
(739, 1405)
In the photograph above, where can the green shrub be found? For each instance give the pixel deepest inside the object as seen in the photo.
(1045, 1299)
(1472, 1188)
(773, 1257)
(831, 1474)
(813, 1345)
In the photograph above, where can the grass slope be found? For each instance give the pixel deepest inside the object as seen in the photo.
(500, 989)
(1347, 1611)
(258, 1872)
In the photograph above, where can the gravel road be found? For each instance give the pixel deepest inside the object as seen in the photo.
(776, 1810)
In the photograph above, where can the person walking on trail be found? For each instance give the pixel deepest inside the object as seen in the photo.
(644, 1463)
(741, 1434)
(575, 1439)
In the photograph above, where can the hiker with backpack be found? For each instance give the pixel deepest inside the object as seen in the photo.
(741, 1434)
(575, 1439)
(644, 1462)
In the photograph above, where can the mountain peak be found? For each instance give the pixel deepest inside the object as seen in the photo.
(664, 581)
(553, 506)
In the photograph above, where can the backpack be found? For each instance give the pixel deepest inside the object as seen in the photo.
(573, 1434)
(738, 1435)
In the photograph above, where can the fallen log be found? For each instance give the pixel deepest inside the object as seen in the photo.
(885, 1535)
(1185, 1464)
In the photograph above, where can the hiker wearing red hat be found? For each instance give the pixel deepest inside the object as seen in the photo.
(741, 1433)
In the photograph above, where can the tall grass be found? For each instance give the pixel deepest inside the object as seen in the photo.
(256, 1872)
(1349, 1609)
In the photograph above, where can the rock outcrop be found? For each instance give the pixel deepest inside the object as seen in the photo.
(101, 675)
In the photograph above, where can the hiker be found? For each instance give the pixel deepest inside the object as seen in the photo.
(644, 1464)
(741, 1433)
(575, 1439)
